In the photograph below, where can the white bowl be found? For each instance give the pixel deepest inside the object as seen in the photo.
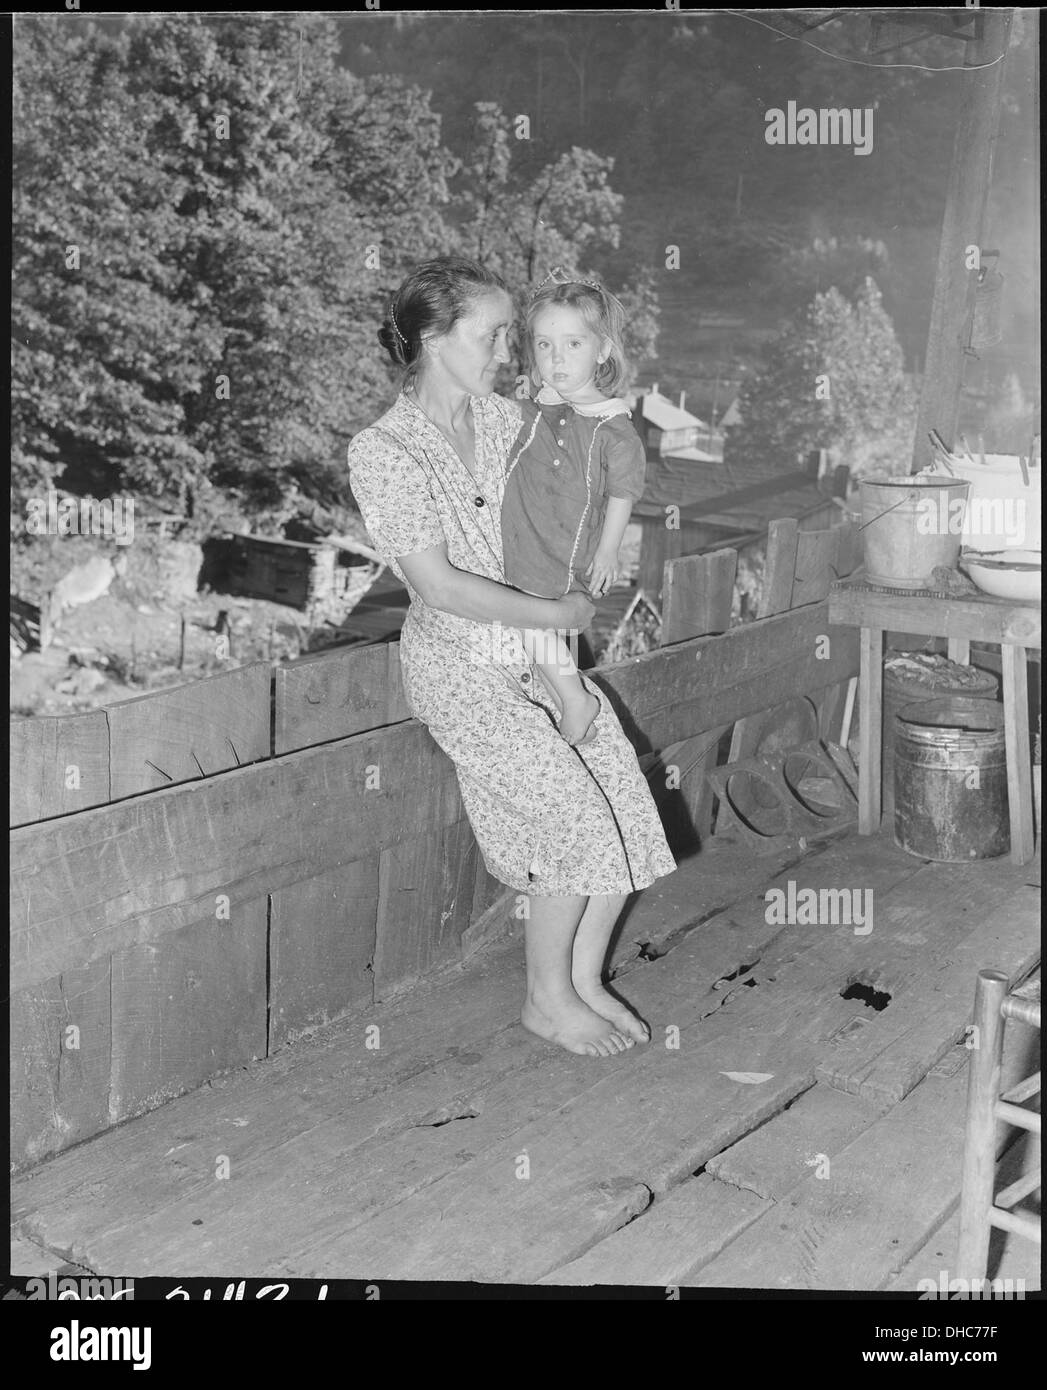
(1013, 574)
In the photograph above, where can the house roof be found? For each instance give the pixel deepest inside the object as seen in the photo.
(694, 456)
(692, 475)
(736, 496)
(664, 415)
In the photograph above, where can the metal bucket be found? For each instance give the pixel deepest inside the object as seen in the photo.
(909, 527)
(950, 780)
(901, 690)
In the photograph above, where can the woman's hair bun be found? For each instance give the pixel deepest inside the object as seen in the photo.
(390, 340)
(433, 298)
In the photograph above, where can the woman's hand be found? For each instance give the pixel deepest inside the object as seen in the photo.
(603, 572)
(576, 611)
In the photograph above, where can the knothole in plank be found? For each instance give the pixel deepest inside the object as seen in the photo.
(871, 997)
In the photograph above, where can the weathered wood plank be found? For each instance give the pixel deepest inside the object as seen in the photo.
(777, 597)
(1019, 1153)
(779, 573)
(891, 1054)
(877, 866)
(692, 1223)
(886, 1192)
(676, 692)
(187, 1007)
(321, 947)
(58, 764)
(1015, 688)
(425, 899)
(486, 891)
(870, 731)
(677, 777)
(60, 1062)
(397, 709)
(490, 917)
(981, 619)
(87, 885)
(194, 731)
(848, 1231)
(29, 1260)
(906, 928)
(715, 890)
(778, 1156)
(697, 594)
(438, 1049)
(963, 225)
(443, 1051)
(818, 564)
(589, 1169)
(337, 693)
(86, 1197)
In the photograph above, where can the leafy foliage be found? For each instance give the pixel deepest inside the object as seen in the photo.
(523, 226)
(832, 379)
(210, 216)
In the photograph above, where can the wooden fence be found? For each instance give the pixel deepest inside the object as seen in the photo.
(203, 875)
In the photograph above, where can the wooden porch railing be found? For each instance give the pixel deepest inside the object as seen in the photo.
(203, 875)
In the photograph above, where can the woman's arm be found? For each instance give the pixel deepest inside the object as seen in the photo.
(442, 585)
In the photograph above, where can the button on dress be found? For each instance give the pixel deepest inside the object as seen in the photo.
(549, 818)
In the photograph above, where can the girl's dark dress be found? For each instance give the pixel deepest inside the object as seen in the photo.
(564, 465)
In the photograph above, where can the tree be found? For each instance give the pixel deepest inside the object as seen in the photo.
(103, 352)
(240, 208)
(832, 379)
(522, 227)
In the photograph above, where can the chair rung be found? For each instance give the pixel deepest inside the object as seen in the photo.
(1017, 1222)
(1027, 1010)
(1017, 1190)
(1024, 1089)
(1015, 1115)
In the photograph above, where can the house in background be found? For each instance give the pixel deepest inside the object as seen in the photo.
(670, 429)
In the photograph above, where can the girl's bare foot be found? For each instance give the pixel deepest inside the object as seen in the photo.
(578, 717)
(573, 1025)
(607, 1006)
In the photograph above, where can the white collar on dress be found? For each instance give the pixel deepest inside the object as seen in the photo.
(613, 405)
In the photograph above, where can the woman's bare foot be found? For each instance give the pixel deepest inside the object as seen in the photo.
(607, 1006)
(573, 1025)
(578, 716)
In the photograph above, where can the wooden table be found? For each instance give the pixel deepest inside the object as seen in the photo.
(1015, 626)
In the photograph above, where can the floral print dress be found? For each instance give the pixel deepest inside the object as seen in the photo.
(550, 819)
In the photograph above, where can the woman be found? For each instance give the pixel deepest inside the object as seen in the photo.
(575, 829)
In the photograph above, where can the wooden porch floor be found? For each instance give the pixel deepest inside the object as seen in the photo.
(793, 1139)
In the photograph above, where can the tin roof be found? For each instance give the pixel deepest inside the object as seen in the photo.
(664, 415)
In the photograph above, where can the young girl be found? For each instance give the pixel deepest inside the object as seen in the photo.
(576, 469)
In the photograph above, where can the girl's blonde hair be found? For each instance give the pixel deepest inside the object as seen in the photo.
(602, 312)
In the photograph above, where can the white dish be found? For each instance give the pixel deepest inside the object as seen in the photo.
(1013, 574)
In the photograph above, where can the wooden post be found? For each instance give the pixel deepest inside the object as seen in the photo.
(697, 592)
(1014, 682)
(962, 226)
(979, 1148)
(870, 725)
(779, 576)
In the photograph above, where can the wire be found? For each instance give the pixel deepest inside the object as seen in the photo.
(860, 62)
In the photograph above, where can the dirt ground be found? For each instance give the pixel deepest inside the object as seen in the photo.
(130, 639)
(151, 630)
